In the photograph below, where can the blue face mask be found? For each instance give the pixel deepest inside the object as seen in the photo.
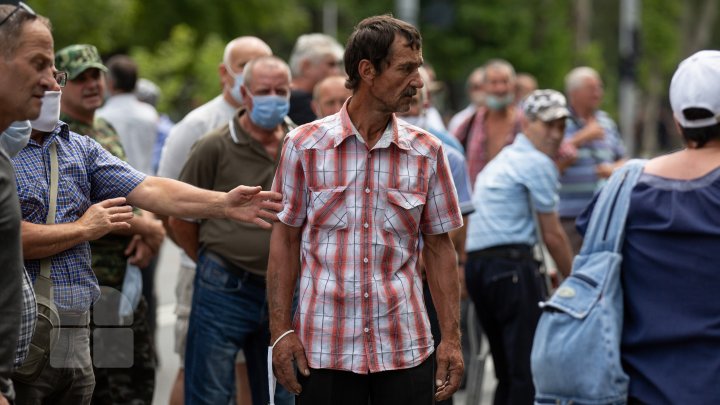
(269, 111)
(235, 91)
(15, 137)
(498, 103)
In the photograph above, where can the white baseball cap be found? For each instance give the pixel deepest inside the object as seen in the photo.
(696, 84)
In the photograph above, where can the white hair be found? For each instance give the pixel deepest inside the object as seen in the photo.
(270, 60)
(576, 78)
(313, 47)
(499, 64)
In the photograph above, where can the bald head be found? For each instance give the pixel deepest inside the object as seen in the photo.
(329, 95)
(238, 53)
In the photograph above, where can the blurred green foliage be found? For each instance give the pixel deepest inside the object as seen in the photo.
(179, 44)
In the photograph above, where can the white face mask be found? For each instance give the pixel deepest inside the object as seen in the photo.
(49, 113)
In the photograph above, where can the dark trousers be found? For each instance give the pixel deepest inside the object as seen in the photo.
(506, 286)
(412, 386)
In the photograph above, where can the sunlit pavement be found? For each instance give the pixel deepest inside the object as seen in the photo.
(169, 361)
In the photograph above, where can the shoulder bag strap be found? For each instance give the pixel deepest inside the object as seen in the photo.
(43, 283)
(607, 222)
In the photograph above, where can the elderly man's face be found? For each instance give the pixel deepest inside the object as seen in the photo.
(498, 81)
(323, 67)
(331, 95)
(589, 94)
(26, 76)
(267, 79)
(395, 87)
(240, 55)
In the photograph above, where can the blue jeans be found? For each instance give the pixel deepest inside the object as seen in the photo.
(229, 313)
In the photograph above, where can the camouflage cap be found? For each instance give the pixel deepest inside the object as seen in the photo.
(75, 59)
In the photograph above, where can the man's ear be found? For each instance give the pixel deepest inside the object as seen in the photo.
(367, 71)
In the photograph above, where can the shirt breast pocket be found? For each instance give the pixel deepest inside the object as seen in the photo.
(327, 208)
(403, 212)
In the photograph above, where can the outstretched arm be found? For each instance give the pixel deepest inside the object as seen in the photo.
(174, 198)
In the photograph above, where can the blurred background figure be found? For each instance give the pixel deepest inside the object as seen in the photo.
(313, 58)
(148, 92)
(329, 96)
(475, 95)
(525, 83)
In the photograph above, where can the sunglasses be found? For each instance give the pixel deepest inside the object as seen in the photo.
(61, 78)
(20, 6)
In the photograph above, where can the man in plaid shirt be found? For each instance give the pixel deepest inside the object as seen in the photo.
(358, 188)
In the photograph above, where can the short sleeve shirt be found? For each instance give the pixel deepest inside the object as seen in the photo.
(502, 194)
(88, 175)
(362, 211)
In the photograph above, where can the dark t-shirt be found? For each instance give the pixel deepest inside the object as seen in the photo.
(11, 265)
(671, 280)
(301, 107)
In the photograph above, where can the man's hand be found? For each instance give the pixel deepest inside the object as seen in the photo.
(288, 349)
(105, 217)
(155, 235)
(140, 253)
(450, 369)
(250, 204)
(3, 400)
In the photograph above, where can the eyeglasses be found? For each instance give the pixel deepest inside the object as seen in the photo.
(20, 5)
(61, 78)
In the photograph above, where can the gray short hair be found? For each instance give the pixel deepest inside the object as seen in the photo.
(313, 47)
(11, 30)
(577, 76)
(244, 40)
(499, 64)
(248, 71)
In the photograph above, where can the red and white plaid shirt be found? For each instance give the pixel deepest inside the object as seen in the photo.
(361, 305)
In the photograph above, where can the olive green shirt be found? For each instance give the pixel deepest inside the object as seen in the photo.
(219, 162)
(108, 253)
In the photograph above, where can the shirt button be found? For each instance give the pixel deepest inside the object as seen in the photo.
(365, 260)
(366, 225)
(366, 330)
(367, 191)
(366, 295)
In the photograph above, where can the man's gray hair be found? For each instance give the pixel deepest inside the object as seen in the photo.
(11, 30)
(246, 41)
(577, 77)
(499, 64)
(248, 71)
(313, 47)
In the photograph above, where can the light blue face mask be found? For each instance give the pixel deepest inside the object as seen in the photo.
(498, 103)
(235, 91)
(269, 111)
(15, 137)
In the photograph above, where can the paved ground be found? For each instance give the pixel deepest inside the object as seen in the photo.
(169, 361)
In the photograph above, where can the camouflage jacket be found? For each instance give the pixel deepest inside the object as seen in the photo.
(108, 257)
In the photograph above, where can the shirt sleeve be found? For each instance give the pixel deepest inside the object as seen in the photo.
(110, 177)
(543, 185)
(290, 182)
(442, 211)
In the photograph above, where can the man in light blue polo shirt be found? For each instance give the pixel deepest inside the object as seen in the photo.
(501, 274)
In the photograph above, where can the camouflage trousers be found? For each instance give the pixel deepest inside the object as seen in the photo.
(124, 360)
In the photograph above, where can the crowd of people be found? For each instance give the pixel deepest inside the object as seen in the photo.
(325, 209)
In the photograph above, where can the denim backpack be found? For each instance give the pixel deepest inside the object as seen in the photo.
(576, 351)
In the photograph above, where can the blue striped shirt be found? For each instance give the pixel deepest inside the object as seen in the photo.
(502, 207)
(580, 181)
(88, 175)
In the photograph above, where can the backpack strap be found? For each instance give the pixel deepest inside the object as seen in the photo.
(606, 230)
(43, 284)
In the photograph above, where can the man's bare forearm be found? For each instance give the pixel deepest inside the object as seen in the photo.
(41, 240)
(442, 277)
(174, 198)
(282, 274)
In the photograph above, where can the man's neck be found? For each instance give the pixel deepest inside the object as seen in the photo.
(38, 136)
(582, 112)
(369, 122)
(502, 113)
(260, 134)
(86, 118)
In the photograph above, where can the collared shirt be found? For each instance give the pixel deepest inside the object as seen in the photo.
(580, 181)
(88, 175)
(502, 194)
(361, 304)
(472, 135)
(222, 160)
(28, 318)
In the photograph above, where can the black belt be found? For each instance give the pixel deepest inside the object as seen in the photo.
(511, 252)
(244, 275)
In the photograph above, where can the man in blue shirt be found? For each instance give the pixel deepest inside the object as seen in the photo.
(501, 273)
(93, 191)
